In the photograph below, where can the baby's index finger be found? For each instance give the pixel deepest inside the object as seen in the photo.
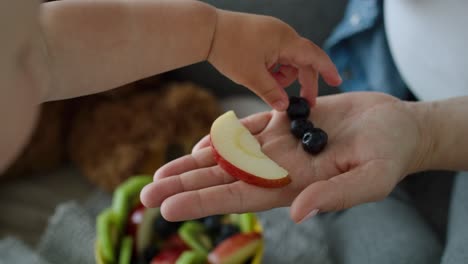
(305, 53)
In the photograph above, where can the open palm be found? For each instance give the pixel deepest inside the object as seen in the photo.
(373, 143)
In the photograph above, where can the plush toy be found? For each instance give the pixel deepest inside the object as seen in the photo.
(130, 130)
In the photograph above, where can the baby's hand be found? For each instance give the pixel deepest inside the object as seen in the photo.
(247, 49)
(373, 143)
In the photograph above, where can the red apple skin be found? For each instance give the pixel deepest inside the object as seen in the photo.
(175, 242)
(245, 176)
(168, 256)
(229, 246)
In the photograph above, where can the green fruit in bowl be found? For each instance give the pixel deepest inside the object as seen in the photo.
(126, 250)
(195, 235)
(143, 238)
(108, 234)
(192, 257)
(128, 233)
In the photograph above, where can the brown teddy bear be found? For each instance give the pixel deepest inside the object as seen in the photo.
(130, 130)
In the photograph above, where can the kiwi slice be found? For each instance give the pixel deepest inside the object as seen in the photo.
(144, 233)
(192, 257)
(247, 222)
(232, 219)
(126, 250)
(126, 196)
(106, 226)
(194, 234)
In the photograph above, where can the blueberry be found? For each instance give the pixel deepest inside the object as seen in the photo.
(298, 108)
(300, 126)
(149, 253)
(165, 228)
(226, 231)
(314, 141)
(212, 223)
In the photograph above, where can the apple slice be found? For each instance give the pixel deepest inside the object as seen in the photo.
(237, 151)
(236, 249)
(168, 256)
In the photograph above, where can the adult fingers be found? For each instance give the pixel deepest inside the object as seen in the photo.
(155, 193)
(370, 182)
(199, 159)
(236, 197)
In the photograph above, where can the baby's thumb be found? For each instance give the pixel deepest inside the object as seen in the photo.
(267, 88)
(367, 183)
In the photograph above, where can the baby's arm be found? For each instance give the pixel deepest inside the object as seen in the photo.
(94, 46)
(80, 47)
(97, 45)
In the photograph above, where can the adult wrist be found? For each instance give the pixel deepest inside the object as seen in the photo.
(423, 116)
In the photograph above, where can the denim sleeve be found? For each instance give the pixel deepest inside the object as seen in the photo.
(358, 46)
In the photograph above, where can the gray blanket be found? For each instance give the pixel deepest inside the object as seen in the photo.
(71, 232)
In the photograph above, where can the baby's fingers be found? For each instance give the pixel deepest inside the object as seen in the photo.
(367, 183)
(305, 55)
(308, 78)
(285, 75)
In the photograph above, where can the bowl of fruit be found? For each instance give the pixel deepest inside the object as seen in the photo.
(128, 232)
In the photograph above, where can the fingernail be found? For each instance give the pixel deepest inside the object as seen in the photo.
(310, 215)
(279, 105)
(340, 80)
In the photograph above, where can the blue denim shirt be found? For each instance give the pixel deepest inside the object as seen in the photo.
(358, 46)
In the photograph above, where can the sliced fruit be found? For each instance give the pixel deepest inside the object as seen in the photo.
(237, 151)
(258, 255)
(231, 219)
(107, 234)
(212, 223)
(247, 222)
(175, 241)
(126, 196)
(149, 253)
(144, 235)
(99, 258)
(236, 249)
(226, 231)
(194, 234)
(168, 256)
(126, 247)
(164, 228)
(192, 257)
(135, 217)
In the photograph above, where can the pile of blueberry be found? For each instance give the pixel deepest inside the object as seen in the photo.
(313, 138)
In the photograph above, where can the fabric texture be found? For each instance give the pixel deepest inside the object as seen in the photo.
(358, 46)
(427, 41)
